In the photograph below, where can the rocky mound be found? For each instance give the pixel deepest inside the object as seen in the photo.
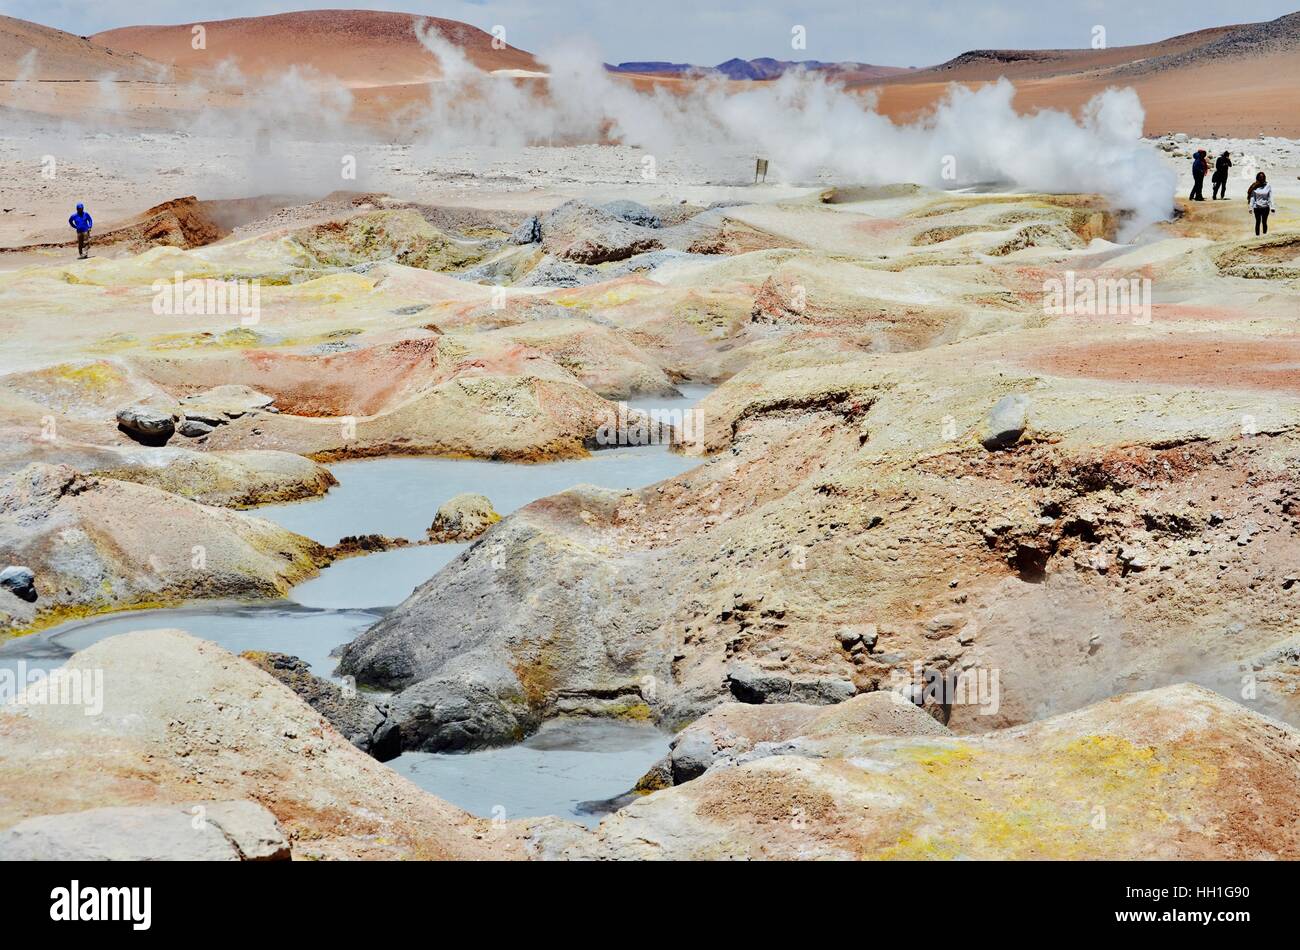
(360, 721)
(582, 234)
(238, 479)
(194, 831)
(98, 544)
(402, 236)
(181, 223)
(1175, 774)
(227, 731)
(1065, 535)
(463, 518)
(601, 358)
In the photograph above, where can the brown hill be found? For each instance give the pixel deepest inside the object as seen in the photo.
(61, 57)
(1233, 80)
(986, 64)
(360, 47)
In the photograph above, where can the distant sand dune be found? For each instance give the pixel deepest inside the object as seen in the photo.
(29, 51)
(1233, 80)
(360, 47)
(1228, 81)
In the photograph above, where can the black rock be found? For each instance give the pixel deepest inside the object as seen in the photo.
(20, 581)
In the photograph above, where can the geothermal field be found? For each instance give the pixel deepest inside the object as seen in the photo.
(444, 451)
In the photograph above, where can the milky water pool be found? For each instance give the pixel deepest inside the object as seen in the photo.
(398, 497)
(393, 496)
(549, 773)
(564, 763)
(280, 628)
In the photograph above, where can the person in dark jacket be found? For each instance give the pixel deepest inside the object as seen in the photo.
(1200, 165)
(83, 223)
(1221, 166)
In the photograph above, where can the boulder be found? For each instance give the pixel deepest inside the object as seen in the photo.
(463, 518)
(530, 232)
(577, 232)
(633, 212)
(201, 831)
(476, 670)
(146, 424)
(249, 827)
(361, 722)
(1007, 422)
(441, 714)
(751, 685)
(193, 428)
(220, 404)
(20, 581)
(551, 272)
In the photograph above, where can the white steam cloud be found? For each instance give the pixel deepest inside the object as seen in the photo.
(811, 128)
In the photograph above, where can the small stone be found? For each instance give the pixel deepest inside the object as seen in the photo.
(1134, 557)
(870, 635)
(1007, 422)
(942, 624)
(193, 428)
(146, 424)
(20, 581)
(530, 232)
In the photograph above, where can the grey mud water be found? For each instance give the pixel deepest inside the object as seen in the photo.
(551, 772)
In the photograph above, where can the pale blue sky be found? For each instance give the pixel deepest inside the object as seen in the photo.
(898, 33)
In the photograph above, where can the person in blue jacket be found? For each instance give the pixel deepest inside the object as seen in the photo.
(83, 223)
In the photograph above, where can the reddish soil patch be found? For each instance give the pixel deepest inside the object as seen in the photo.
(361, 382)
(880, 226)
(1257, 364)
(358, 382)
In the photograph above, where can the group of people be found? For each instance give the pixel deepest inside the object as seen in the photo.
(1259, 197)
